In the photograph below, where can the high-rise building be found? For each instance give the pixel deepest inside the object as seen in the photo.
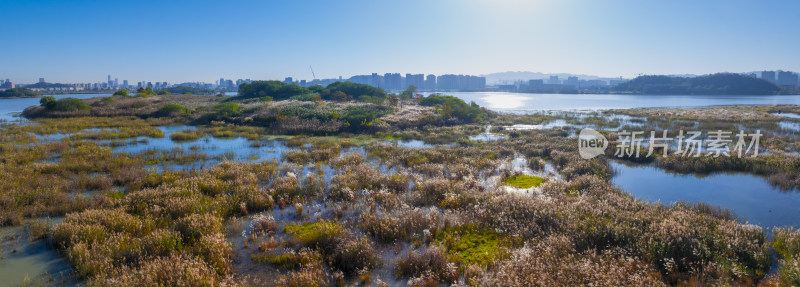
(41, 80)
(769, 76)
(418, 80)
(787, 79)
(393, 81)
(447, 82)
(572, 81)
(460, 82)
(474, 83)
(430, 82)
(288, 80)
(8, 84)
(553, 81)
(376, 80)
(615, 82)
(594, 83)
(535, 83)
(125, 84)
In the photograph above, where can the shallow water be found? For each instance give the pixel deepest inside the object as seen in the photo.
(789, 126)
(35, 260)
(524, 102)
(748, 196)
(787, 115)
(218, 149)
(10, 108)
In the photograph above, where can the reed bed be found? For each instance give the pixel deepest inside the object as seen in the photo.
(345, 212)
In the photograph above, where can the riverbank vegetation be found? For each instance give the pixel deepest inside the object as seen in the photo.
(350, 202)
(336, 92)
(18, 93)
(714, 84)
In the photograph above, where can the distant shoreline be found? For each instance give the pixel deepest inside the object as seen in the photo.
(21, 97)
(607, 93)
(77, 92)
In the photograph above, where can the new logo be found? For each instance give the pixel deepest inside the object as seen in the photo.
(591, 143)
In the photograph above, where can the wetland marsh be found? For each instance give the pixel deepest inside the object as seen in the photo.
(388, 192)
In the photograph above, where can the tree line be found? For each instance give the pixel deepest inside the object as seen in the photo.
(715, 84)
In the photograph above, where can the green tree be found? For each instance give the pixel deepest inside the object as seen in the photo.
(172, 110)
(18, 93)
(715, 84)
(338, 96)
(184, 90)
(121, 92)
(142, 92)
(48, 102)
(163, 92)
(275, 89)
(69, 105)
(408, 93)
(229, 109)
(452, 107)
(353, 90)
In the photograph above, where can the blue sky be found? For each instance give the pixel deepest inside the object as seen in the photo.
(177, 41)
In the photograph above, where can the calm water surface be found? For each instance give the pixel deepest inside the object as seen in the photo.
(522, 102)
(750, 197)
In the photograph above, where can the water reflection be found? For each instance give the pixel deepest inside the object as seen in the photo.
(750, 197)
(525, 102)
(787, 115)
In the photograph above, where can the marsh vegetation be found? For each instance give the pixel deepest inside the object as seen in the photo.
(326, 193)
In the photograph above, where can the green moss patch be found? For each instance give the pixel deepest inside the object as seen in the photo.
(290, 260)
(311, 233)
(469, 245)
(524, 181)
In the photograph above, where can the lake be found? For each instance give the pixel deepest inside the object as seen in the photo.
(749, 197)
(522, 102)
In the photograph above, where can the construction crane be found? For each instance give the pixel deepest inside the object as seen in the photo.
(312, 72)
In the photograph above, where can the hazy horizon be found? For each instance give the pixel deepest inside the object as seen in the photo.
(179, 41)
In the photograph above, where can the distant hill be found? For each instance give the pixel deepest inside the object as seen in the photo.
(46, 86)
(18, 93)
(715, 84)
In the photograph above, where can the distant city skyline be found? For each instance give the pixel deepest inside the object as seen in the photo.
(507, 81)
(184, 41)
